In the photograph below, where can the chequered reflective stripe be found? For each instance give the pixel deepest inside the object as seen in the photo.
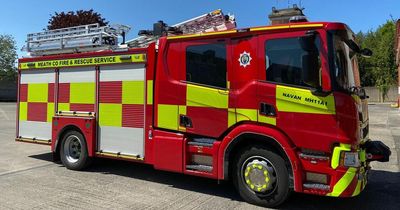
(149, 92)
(207, 100)
(199, 96)
(36, 102)
(121, 104)
(77, 96)
(253, 115)
(168, 116)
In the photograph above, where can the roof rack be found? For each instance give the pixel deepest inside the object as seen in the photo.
(84, 38)
(209, 22)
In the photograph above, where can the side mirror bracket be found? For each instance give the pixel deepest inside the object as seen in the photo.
(318, 91)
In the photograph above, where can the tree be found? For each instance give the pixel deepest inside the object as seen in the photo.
(366, 40)
(8, 57)
(385, 71)
(71, 19)
(380, 69)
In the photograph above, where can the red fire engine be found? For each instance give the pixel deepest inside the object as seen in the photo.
(274, 109)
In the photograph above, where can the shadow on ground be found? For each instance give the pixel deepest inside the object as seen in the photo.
(382, 191)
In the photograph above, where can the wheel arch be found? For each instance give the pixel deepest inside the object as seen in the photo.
(62, 132)
(248, 135)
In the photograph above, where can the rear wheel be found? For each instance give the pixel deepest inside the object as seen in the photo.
(261, 177)
(73, 151)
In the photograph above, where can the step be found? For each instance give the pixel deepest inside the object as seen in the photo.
(205, 142)
(203, 168)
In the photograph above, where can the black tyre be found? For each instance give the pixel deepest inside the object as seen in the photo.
(73, 151)
(261, 177)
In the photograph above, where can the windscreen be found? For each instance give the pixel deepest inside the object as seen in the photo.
(344, 64)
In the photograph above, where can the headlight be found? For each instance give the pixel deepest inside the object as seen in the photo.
(351, 159)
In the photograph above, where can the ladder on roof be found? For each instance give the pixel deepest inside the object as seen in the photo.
(209, 22)
(84, 38)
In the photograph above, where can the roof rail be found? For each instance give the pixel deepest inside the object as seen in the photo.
(84, 38)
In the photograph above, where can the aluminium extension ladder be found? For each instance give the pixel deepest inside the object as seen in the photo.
(84, 38)
(209, 22)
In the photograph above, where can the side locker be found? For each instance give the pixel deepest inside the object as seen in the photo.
(75, 104)
(121, 110)
(76, 90)
(36, 105)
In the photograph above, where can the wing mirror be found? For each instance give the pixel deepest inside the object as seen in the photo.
(366, 52)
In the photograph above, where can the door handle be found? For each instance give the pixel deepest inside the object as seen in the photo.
(185, 121)
(267, 109)
(223, 92)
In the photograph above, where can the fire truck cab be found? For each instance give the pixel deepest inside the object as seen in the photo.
(274, 109)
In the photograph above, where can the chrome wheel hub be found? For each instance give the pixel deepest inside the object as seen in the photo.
(72, 148)
(259, 175)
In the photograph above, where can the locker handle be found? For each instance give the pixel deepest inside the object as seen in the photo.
(267, 109)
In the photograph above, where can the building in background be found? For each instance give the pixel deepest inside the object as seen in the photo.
(397, 47)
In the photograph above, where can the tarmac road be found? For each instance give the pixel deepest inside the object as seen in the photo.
(30, 180)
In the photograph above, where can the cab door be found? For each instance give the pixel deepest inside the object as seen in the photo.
(191, 90)
(207, 92)
(307, 118)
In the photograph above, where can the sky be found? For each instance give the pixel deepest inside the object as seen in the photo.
(20, 17)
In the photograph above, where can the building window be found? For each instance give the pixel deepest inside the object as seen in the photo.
(206, 64)
(284, 61)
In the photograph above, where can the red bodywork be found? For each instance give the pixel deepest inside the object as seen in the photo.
(168, 150)
(86, 125)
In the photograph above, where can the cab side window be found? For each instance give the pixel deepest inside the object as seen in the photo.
(285, 60)
(206, 64)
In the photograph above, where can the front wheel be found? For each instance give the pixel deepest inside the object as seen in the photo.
(261, 177)
(73, 151)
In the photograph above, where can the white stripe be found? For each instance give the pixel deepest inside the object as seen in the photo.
(81, 74)
(32, 129)
(127, 141)
(134, 72)
(37, 76)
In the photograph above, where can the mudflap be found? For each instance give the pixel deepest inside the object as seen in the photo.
(377, 151)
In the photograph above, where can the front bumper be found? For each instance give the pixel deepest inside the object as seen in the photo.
(350, 181)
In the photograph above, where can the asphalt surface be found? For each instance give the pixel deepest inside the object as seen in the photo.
(30, 180)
